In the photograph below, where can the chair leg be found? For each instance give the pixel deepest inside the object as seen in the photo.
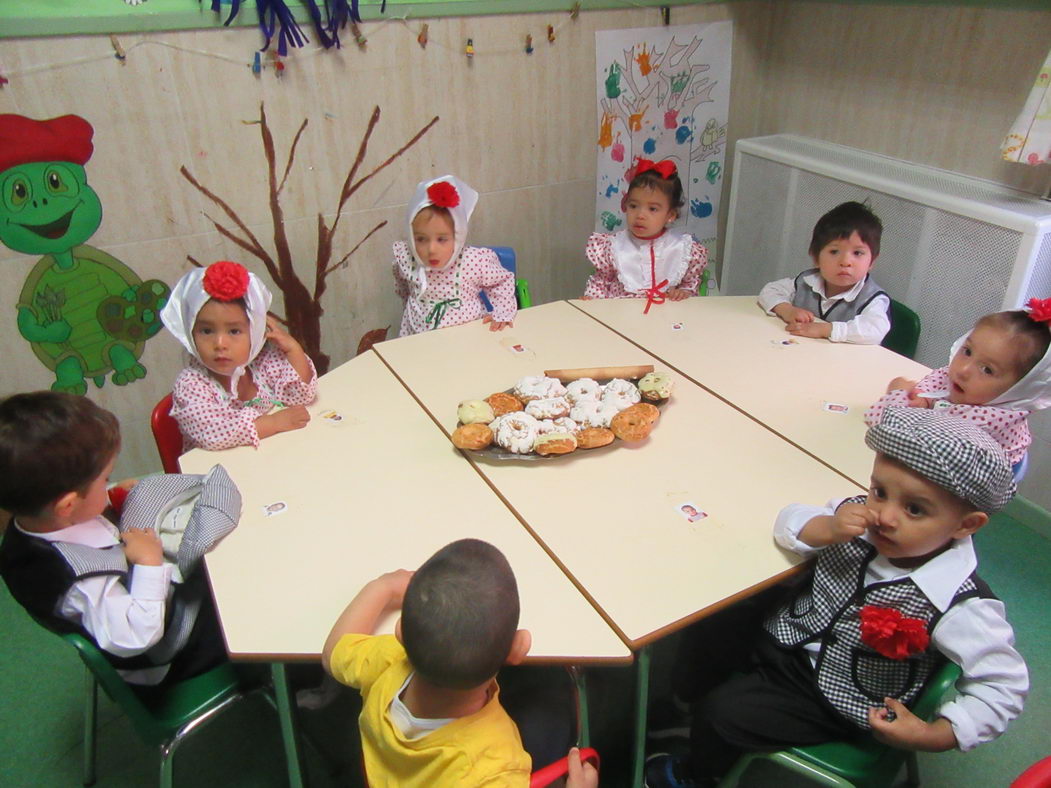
(167, 766)
(286, 713)
(642, 695)
(583, 728)
(912, 770)
(91, 696)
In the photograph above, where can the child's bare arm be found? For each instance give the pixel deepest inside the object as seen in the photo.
(792, 314)
(678, 294)
(809, 328)
(284, 420)
(378, 596)
(909, 732)
(849, 521)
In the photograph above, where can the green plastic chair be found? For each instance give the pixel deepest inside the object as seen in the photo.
(508, 260)
(863, 764)
(904, 334)
(162, 716)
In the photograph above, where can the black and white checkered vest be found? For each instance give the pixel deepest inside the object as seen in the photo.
(852, 676)
(841, 310)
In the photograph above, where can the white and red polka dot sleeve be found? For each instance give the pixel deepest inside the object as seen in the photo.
(401, 282)
(207, 417)
(899, 398)
(272, 370)
(498, 284)
(604, 282)
(938, 380)
(691, 280)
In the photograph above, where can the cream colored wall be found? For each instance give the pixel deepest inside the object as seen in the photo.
(520, 129)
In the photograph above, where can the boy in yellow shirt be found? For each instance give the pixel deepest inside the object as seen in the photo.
(431, 713)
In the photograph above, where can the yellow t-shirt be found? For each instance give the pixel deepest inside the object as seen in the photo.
(483, 749)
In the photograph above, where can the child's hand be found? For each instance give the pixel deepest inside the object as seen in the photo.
(900, 383)
(677, 294)
(126, 484)
(142, 546)
(497, 325)
(918, 401)
(285, 420)
(581, 774)
(807, 328)
(282, 340)
(907, 731)
(793, 314)
(849, 521)
(394, 584)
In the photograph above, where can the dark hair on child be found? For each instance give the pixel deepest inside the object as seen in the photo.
(670, 187)
(435, 210)
(1033, 337)
(51, 444)
(460, 615)
(843, 220)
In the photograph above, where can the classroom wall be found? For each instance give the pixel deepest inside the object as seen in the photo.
(937, 85)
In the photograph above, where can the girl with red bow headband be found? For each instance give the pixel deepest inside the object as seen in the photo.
(438, 276)
(647, 259)
(241, 365)
(997, 375)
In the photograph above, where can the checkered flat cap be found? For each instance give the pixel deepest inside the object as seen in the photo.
(948, 451)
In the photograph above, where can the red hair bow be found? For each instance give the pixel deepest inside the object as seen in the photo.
(891, 634)
(443, 195)
(226, 280)
(664, 168)
(1040, 309)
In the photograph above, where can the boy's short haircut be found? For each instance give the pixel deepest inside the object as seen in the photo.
(1034, 337)
(843, 220)
(947, 451)
(51, 444)
(460, 615)
(669, 187)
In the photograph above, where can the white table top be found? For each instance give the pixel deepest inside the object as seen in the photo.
(382, 489)
(611, 516)
(729, 346)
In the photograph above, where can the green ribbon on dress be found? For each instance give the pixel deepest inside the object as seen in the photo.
(438, 311)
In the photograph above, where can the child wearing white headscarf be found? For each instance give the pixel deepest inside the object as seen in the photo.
(242, 363)
(437, 275)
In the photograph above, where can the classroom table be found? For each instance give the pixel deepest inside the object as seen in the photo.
(729, 346)
(379, 489)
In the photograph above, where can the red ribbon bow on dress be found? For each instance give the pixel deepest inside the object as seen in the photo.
(891, 634)
(655, 292)
(1040, 309)
(664, 168)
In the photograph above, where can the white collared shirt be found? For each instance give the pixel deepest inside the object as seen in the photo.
(868, 328)
(974, 633)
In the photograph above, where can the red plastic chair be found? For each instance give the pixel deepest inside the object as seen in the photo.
(560, 768)
(1036, 776)
(167, 435)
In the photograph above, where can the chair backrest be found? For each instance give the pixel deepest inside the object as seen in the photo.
(167, 435)
(904, 334)
(508, 260)
(1036, 776)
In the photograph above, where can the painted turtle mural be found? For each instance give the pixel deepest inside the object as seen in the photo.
(84, 312)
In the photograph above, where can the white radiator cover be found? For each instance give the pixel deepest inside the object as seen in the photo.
(954, 248)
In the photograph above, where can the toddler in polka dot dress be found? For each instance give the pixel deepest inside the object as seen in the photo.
(437, 275)
(242, 363)
(997, 375)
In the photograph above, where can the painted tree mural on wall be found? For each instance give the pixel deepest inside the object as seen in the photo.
(303, 308)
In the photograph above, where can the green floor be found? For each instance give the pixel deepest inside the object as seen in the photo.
(42, 690)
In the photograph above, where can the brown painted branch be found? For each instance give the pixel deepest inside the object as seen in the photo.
(193, 261)
(348, 254)
(291, 155)
(285, 274)
(257, 249)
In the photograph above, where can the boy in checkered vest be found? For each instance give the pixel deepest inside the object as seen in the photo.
(893, 593)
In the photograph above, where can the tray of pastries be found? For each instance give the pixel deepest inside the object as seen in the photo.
(563, 411)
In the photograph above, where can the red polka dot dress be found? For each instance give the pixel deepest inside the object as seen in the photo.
(623, 264)
(450, 296)
(1008, 427)
(211, 418)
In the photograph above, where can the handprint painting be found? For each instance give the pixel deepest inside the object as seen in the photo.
(85, 314)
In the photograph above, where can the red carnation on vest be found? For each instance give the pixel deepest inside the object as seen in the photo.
(891, 634)
(443, 195)
(226, 280)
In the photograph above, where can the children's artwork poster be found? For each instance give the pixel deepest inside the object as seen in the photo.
(664, 93)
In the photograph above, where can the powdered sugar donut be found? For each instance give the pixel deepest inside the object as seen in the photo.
(563, 424)
(583, 390)
(593, 414)
(620, 394)
(538, 387)
(516, 432)
(550, 408)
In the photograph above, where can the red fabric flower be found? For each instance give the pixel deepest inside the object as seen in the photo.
(1040, 309)
(664, 168)
(226, 280)
(443, 194)
(891, 634)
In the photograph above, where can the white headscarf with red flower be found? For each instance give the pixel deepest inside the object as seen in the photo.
(454, 195)
(223, 281)
(1033, 391)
